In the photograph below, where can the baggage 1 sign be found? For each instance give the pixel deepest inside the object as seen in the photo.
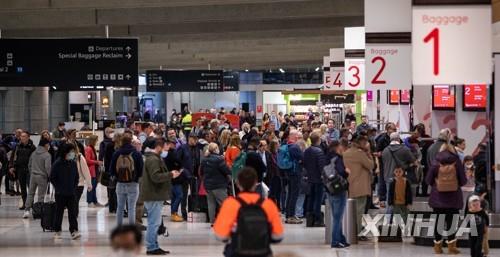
(388, 66)
(452, 44)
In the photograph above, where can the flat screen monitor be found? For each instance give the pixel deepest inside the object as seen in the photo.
(443, 97)
(405, 96)
(394, 97)
(474, 97)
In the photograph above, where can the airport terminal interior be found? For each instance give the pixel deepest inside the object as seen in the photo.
(249, 128)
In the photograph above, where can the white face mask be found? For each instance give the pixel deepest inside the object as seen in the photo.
(468, 166)
(164, 154)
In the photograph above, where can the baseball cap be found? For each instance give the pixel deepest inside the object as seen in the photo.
(474, 198)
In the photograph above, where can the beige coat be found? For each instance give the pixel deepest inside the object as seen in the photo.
(360, 176)
(83, 171)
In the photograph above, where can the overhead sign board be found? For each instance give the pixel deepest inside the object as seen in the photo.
(187, 81)
(388, 66)
(451, 44)
(69, 64)
(354, 74)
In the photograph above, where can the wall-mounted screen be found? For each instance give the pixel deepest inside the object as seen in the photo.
(443, 97)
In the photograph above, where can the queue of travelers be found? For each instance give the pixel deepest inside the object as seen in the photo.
(283, 167)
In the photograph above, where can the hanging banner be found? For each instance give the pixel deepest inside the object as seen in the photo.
(452, 44)
(337, 56)
(354, 65)
(327, 76)
(388, 44)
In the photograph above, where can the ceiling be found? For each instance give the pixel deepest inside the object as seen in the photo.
(193, 34)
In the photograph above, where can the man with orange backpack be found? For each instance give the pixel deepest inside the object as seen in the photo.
(248, 223)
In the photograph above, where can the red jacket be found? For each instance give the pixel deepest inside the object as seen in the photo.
(91, 159)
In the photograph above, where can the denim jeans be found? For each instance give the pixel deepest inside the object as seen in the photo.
(299, 206)
(176, 198)
(315, 200)
(337, 204)
(92, 196)
(126, 193)
(154, 220)
(292, 195)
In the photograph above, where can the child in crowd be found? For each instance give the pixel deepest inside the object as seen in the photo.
(400, 196)
(469, 173)
(481, 226)
(480, 191)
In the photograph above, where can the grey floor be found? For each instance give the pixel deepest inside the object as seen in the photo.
(20, 237)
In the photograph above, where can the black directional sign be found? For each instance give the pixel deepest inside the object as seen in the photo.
(69, 64)
(190, 81)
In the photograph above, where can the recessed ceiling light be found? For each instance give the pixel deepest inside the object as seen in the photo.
(317, 69)
(282, 70)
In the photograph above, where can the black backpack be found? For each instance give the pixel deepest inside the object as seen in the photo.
(253, 232)
(334, 183)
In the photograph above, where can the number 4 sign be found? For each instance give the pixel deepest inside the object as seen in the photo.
(388, 66)
(354, 74)
(452, 44)
(335, 78)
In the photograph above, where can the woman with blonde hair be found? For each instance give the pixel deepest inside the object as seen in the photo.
(446, 198)
(224, 139)
(233, 151)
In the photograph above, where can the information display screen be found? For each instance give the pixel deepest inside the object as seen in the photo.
(405, 97)
(86, 64)
(394, 97)
(474, 97)
(443, 97)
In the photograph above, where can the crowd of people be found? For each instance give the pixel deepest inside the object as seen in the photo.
(281, 160)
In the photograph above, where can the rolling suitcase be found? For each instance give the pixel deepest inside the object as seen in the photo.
(36, 210)
(48, 213)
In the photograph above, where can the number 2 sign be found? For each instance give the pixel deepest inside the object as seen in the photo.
(354, 74)
(452, 44)
(388, 66)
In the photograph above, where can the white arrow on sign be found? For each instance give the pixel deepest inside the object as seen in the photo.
(128, 76)
(128, 56)
(128, 48)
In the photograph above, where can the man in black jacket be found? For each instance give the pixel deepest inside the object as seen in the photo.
(382, 141)
(314, 162)
(103, 146)
(480, 165)
(254, 160)
(18, 165)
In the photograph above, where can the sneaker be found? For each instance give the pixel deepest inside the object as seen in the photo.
(363, 238)
(91, 205)
(345, 244)
(156, 252)
(26, 214)
(339, 245)
(75, 235)
(176, 218)
(98, 205)
(293, 220)
(165, 251)
(57, 236)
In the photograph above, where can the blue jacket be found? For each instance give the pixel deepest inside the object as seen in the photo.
(333, 135)
(184, 156)
(64, 177)
(297, 157)
(314, 162)
(138, 161)
(215, 172)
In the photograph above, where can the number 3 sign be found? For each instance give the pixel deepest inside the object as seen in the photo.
(354, 74)
(452, 44)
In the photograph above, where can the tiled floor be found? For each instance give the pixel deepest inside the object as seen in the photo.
(25, 238)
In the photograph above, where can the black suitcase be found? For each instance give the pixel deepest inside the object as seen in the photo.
(48, 216)
(36, 210)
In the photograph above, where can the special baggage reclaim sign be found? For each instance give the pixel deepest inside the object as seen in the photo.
(69, 64)
(190, 81)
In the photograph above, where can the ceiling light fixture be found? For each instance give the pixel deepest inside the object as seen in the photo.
(317, 69)
(282, 70)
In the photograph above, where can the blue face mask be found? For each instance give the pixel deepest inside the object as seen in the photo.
(70, 156)
(164, 154)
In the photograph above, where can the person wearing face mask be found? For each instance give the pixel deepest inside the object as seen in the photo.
(64, 177)
(156, 185)
(216, 176)
(126, 241)
(127, 167)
